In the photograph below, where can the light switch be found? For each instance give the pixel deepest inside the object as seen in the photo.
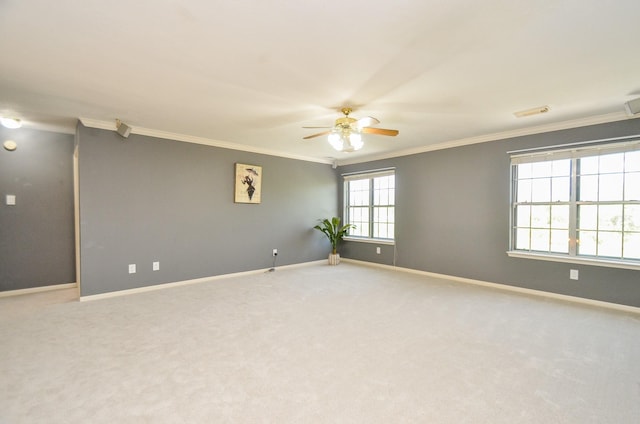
(11, 199)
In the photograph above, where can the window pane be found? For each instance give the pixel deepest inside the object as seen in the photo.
(541, 169)
(632, 186)
(540, 216)
(524, 191)
(560, 189)
(632, 245)
(611, 163)
(632, 217)
(588, 241)
(380, 214)
(560, 216)
(358, 197)
(560, 241)
(379, 197)
(611, 187)
(561, 168)
(360, 218)
(540, 240)
(588, 188)
(524, 170)
(380, 231)
(610, 217)
(523, 216)
(541, 190)
(632, 161)
(588, 217)
(522, 238)
(609, 244)
(589, 165)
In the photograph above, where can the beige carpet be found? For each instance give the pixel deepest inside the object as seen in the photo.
(317, 344)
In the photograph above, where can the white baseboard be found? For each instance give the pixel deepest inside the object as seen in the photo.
(505, 287)
(38, 289)
(188, 282)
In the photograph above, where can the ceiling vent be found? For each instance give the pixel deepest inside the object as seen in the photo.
(530, 112)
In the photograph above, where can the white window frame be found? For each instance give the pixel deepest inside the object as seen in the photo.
(370, 175)
(573, 152)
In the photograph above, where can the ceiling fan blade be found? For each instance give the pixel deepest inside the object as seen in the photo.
(380, 131)
(367, 121)
(316, 135)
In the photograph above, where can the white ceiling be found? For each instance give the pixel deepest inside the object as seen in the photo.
(252, 73)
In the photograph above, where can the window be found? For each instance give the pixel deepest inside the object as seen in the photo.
(370, 204)
(582, 202)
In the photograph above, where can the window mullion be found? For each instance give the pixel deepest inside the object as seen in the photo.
(573, 209)
(371, 206)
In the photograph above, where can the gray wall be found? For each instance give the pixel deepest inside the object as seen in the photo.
(452, 217)
(36, 235)
(145, 199)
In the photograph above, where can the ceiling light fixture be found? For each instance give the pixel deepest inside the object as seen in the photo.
(345, 140)
(346, 133)
(11, 123)
(530, 112)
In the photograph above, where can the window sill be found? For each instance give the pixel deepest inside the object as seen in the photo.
(370, 240)
(574, 260)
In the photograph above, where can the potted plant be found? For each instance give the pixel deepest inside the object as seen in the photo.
(335, 233)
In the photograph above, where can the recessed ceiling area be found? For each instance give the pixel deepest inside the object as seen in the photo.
(251, 74)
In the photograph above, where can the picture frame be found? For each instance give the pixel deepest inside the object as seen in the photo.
(248, 183)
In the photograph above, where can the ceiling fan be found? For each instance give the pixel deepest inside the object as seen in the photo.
(346, 134)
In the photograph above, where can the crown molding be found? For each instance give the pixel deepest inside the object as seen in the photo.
(111, 126)
(539, 129)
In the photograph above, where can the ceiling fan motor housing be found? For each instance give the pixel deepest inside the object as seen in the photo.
(345, 123)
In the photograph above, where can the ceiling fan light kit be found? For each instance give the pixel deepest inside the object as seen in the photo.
(346, 134)
(345, 141)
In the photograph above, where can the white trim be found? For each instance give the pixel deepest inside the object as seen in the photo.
(31, 290)
(506, 287)
(189, 282)
(574, 260)
(604, 142)
(370, 240)
(111, 126)
(579, 150)
(557, 126)
(373, 173)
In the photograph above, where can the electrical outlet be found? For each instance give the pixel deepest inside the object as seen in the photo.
(156, 266)
(573, 274)
(132, 268)
(378, 250)
(275, 252)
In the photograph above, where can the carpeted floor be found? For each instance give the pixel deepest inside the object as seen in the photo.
(317, 344)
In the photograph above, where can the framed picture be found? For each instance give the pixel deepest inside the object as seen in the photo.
(248, 183)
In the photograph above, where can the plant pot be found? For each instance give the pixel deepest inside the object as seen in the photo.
(334, 259)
